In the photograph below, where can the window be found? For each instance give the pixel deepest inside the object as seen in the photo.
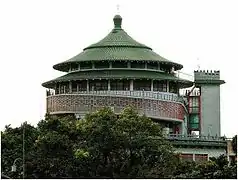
(82, 85)
(98, 85)
(186, 157)
(152, 65)
(57, 90)
(165, 68)
(141, 85)
(64, 88)
(74, 67)
(194, 121)
(119, 64)
(101, 65)
(123, 85)
(86, 65)
(74, 86)
(139, 65)
(160, 86)
(173, 88)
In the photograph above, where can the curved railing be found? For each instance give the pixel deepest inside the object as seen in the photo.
(164, 96)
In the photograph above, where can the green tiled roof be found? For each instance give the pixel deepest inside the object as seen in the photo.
(117, 74)
(117, 45)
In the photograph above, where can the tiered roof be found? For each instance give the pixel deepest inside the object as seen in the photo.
(116, 46)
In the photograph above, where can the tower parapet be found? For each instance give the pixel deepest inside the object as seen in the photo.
(207, 77)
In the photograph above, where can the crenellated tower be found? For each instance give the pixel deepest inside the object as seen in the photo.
(209, 83)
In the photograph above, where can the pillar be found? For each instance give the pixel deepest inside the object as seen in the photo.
(128, 64)
(145, 65)
(152, 85)
(56, 88)
(167, 86)
(87, 85)
(110, 64)
(131, 85)
(158, 66)
(109, 85)
(79, 66)
(70, 86)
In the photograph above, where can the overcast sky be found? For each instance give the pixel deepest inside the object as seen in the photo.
(36, 34)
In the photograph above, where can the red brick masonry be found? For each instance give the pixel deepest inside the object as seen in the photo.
(72, 103)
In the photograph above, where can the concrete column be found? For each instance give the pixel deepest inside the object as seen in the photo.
(145, 65)
(131, 85)
(55, 88)
(109, 85)
(152, 85)
(158, 66)
(87, 85)
(167, 86)
(70, 86)
(64, 89)
(128, 64)
(79, 66)
(110, 65)
(93, 65)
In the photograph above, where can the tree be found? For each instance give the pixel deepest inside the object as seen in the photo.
(102, 145)
(12, 147)
(215, 168)
(128, 145)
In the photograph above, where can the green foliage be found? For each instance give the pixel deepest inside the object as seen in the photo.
(215, 168)
(102, 145)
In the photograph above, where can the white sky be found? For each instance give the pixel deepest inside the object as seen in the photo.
(35, 35)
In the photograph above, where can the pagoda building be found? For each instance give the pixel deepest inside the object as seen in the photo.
(119, 71)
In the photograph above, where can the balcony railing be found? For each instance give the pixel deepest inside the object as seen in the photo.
(164, 96)
(195, 137)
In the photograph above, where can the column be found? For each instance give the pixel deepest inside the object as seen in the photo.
(87, 85)
(158, 66)
(70, 86)
(152, 85)
(56, 88)
(131, 85)
(93, 65)
(145, 65)
(128, 64)
(109, 85)
(110, 64)
(79, 66)
(167, 86)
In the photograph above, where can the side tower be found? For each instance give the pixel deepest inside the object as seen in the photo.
(209, 83)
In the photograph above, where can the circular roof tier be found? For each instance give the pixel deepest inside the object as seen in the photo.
(117, 45)
(117, 74)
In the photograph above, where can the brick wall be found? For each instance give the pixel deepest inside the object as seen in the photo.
(86, 103)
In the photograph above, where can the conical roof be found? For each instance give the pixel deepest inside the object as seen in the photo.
(117, 45)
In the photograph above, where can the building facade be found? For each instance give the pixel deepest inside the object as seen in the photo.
(119, 71)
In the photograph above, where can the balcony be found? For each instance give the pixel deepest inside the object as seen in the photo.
(157, 105)
(163, 96)
(197, 141)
